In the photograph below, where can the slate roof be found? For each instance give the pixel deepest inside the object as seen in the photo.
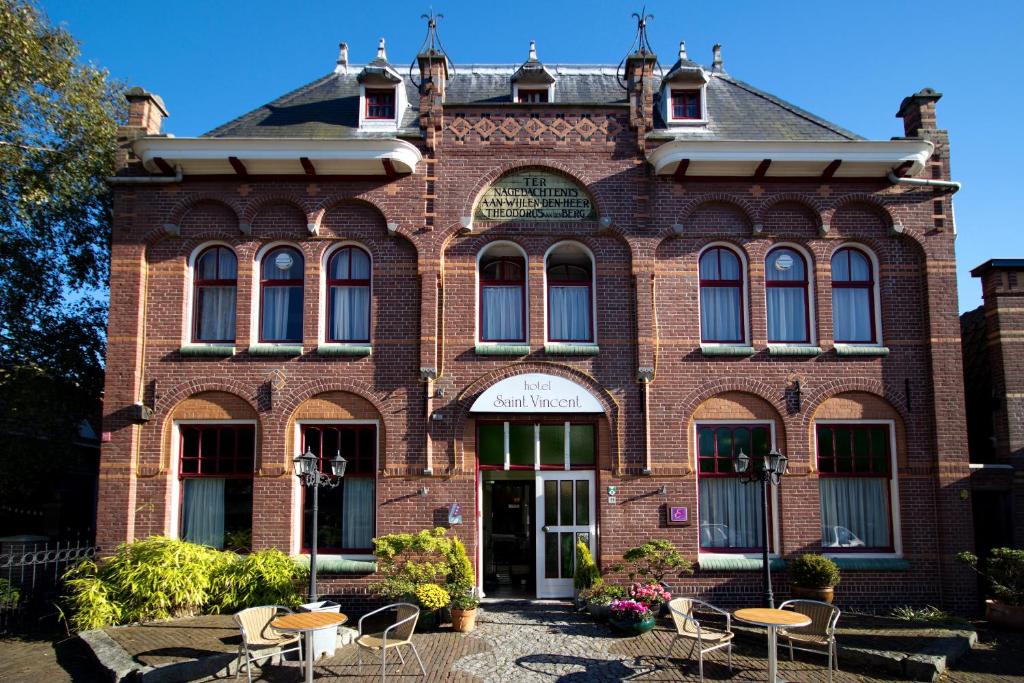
(329, 106)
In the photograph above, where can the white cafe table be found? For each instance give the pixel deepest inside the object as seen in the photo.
(309, 623)
(772, 619)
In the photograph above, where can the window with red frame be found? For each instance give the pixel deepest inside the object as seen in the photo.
(721, 297)
(685, 105)
(854, 474)
(853, 297)
(786, 286)
(348, 296)
(347, 514)
(380, 103)
(502, 299)
(281, 281)
(215, 282)
(216, 465)
(522, 440)
(729, 509)
(533, 95)
(570, 292)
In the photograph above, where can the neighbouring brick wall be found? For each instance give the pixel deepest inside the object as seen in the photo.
(423, 317)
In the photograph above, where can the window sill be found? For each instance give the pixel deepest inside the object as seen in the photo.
(564, 349)
(501, 349)
(878, 564)
(275, 350)
(860, 350)
(216, 350)
(737, 563)
(725, 350)
(344, 350)
(787, 350)
(338, 565)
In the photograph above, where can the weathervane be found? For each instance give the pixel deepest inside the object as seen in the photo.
(431, 45)
(641, 45)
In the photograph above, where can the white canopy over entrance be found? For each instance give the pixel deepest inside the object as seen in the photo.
(536, 392)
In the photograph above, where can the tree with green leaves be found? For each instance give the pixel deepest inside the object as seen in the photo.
(58, 127)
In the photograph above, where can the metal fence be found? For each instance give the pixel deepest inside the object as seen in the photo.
(30, 579)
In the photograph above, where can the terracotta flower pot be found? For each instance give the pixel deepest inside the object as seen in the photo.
(820, 594)
(1007, 616)
(633, 628)
(463, 620)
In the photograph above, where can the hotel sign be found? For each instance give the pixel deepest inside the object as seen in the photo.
(536, 393)
(535, 196)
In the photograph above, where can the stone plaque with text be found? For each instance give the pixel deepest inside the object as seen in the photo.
(535, 196)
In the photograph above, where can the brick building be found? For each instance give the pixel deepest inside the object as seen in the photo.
(561, 297)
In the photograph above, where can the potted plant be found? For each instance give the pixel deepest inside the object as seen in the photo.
(655, 560)
(600, 598)
(631, 617)
(654, 595)
(586, 575)
(814, 577)
(1004, 569)
(464, 612)
(432, 598)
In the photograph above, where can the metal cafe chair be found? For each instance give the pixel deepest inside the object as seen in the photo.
(398, 633)
(820, 632)
(684, 613)
(258, 634)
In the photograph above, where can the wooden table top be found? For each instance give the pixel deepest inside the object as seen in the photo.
(772, 617)
(308, 621)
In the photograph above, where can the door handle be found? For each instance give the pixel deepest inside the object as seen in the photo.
(544, 528)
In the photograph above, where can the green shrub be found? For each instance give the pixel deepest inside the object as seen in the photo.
(432, 597)
(408, 561)
(9, 593)
(464, 601)
(461, 577)
(813, 571)
(162, 578)
(587, 572)
(655, 560)
(1004, 569)
(605, 594)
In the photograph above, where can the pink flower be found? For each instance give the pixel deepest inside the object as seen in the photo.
(649, 593)
(629, 610)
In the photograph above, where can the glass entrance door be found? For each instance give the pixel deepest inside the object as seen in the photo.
(565, 515)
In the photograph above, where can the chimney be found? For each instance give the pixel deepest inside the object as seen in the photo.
(918, 112)
(682, 50)
(146, 113)
(532, 57)
(717, 65)
(382, 56)
(342, 66)
(433, 63)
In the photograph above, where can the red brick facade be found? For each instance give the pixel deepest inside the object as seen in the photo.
(424, 373)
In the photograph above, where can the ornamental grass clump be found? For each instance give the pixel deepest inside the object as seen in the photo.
(629, 611)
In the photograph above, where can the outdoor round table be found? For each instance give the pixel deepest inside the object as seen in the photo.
(308, 623)
(772, 619)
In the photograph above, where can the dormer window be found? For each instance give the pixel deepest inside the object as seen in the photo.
(532, 96)
(380, 103)
(686, 105)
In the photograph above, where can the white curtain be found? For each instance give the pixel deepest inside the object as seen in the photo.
(202, 520)
(787, 318)
(851, 314)
(854, 512)
(350, 313)
(720, 314)
(569, 317)
(357, 513)
(730, 513)
(216, 313)
(282, 314)
(502, 317)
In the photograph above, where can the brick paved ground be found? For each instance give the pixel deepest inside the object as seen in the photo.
(539, 643)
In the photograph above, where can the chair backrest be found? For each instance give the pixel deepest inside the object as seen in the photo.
(254, 622)
(823, 616)
(681, 610)
(406, 616)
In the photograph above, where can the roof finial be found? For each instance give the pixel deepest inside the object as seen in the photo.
(381, 54)
(717, 65)
(682, 50)
(533, 52)
(431, 46)
(342, 66)
(641, 45)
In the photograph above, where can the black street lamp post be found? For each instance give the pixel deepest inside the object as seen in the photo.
(773, 466)
(307, 469)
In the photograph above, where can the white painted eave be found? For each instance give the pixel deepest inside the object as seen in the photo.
(279, 156)
(859, 158)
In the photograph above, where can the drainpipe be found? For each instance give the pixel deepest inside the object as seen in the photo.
(146, 179)
(645, 376)
(922, 182)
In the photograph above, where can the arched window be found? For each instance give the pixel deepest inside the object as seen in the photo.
(281, 277)
(853, 289)
(721, 297)
(215, 279)
(570, 294)
(348, 296)
(502, 295)
(786, 290)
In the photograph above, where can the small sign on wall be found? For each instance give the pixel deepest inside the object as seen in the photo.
(678, 515)
(454, 514)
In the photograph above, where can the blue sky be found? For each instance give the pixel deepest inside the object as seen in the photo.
(212, 61)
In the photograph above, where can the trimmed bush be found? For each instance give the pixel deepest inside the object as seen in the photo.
(587, 573)
(1004, 569)
(812, 570)
(407, 562)
(655, 560)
